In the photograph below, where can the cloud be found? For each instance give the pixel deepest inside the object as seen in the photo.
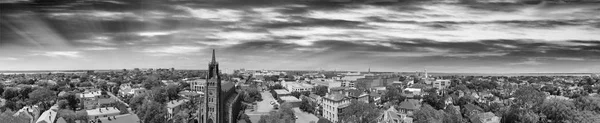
(172, 50)
(61, 54)
(8, 59)
(99, 48)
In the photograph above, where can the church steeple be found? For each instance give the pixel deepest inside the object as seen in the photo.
(212, 107)
(213, 57)
(213, 67)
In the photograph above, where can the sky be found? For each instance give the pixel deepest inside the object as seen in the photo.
(439, 37)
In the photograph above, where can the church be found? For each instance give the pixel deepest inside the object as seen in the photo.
(221, 103)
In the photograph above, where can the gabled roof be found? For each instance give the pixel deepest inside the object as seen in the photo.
(470, 107)
(408, 105)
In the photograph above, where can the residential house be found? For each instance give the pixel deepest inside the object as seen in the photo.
(409, 106)
(487, 117)
(391, 115)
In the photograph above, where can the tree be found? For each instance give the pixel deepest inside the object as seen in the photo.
(393, 94)
(527, 97)
(181, 117)
(71, 99)
(10, 93)
(321, 90)
(428, 114)
(453, 115)
(158, 94)
(589, 103)
(42, 96)
(252, 94)
(306, 106)
(297, 94)
(558, 110)
(283, 115)
(519, 115)
(102, 85)
(152, 112)
(434, 100)
(360, 112)
(1, 88)
(172, 92)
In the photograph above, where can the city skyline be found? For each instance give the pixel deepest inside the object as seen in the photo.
(404, 38)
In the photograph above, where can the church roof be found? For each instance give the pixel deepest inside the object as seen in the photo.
(226, 85)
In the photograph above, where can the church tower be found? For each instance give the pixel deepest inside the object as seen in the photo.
(212, 107)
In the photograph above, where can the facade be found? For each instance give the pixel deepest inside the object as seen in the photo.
(221, 102)
(441, 84)
(294, 86)
(197, 85)
(333, 105)
(175, 106)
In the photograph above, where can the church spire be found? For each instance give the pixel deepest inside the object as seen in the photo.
(213, 57)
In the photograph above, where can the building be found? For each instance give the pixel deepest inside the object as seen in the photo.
(127, 89)
(409, 106)
(441, 84)
(487, 117)
(197, 85)
(294, 86)
(175, 106)
(358, 95)
(415, 91)
(333, 104)
(221, 102)
(281, 92)
(392, 116)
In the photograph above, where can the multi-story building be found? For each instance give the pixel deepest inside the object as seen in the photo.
(175, 106)
(197, 85)
(333, 104)
(441, 84)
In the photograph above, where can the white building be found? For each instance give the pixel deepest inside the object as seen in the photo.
(333, 104)
(197, 85)
(415, 91)
(441, 84)
(294, 86)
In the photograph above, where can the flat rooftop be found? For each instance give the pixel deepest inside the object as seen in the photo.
(290, 99)
(281, 91)
(103, 111)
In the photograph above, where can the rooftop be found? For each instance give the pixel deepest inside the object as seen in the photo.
(335, 96)
(290, 99)
(49, 115)
(175, 103)
(408, 105)
(103, 111)
(281, 91)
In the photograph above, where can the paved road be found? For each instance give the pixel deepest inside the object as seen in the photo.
(263, 107)
(265, 104)
(304, 117)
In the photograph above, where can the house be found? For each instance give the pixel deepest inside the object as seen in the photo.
(391, 115)
(487, 117)
(470, 110)
(175, 106)
(358, 95)
(409, 106)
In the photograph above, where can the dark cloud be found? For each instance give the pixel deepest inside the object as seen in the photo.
(312, 22)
